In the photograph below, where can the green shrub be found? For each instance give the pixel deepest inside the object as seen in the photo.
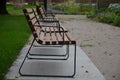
(116, 21)
(109, 17)
(70, 7)
(91, 14)
(58, 7)
(106, 16)
(72, 10)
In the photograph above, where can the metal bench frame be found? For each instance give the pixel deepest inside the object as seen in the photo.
(63, 42)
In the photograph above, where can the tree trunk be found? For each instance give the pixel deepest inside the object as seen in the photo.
(45, 4)
(3, 10)
(105, 3)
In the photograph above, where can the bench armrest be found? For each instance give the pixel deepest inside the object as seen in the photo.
(53, 23)
(50, 19)
(50, 14)
(63, 32)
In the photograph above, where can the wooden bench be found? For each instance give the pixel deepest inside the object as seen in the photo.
(48, 36)
(47, 21)
(52, 33)
(44, 12)
(41, 12)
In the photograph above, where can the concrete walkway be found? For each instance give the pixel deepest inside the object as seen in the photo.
(86, 70)
(100, 42)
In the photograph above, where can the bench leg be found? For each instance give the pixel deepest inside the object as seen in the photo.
(31, 46)
(50, 75)
(65, 57)
(74, 61)
(26, 57)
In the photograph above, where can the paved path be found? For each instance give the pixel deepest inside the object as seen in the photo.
(101, 42)
(86, 70)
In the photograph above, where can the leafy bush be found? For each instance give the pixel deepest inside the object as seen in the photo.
(58, 7)
(114, 7)
(116, 21)
(110, 15)
(106, 15)
(70, 7)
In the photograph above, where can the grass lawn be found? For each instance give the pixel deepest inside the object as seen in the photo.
(14, 11)
(14, 33)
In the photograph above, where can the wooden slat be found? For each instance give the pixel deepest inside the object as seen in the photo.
(52, 29)
(64, 29)
(53, 37)
(29, 10)
(37, 29)
(60, 39)
(72, 40)
(47, 39)
(48, 29)
(41, 37)
(34, 21)
(43, 28)
(56, 29)
(66, 40)
(32, 16)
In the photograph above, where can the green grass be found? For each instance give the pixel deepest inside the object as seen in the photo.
(13, 11)
(14, 33)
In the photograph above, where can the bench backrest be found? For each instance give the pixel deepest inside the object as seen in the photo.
(41, 12)
(33, 23)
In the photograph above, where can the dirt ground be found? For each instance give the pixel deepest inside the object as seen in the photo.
(101, 42)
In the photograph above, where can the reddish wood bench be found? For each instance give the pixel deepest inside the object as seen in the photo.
(48, 36)
(44, 15)
(47, 22)
(45, 34)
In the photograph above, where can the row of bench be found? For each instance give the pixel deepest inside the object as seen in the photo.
(46, 30)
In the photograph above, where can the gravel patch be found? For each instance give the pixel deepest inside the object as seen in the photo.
(101, 42)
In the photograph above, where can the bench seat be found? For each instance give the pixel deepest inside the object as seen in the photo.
(50, 36)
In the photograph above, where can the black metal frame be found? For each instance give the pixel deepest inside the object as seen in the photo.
(30, 75)
(67, 51)
(66, 55)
